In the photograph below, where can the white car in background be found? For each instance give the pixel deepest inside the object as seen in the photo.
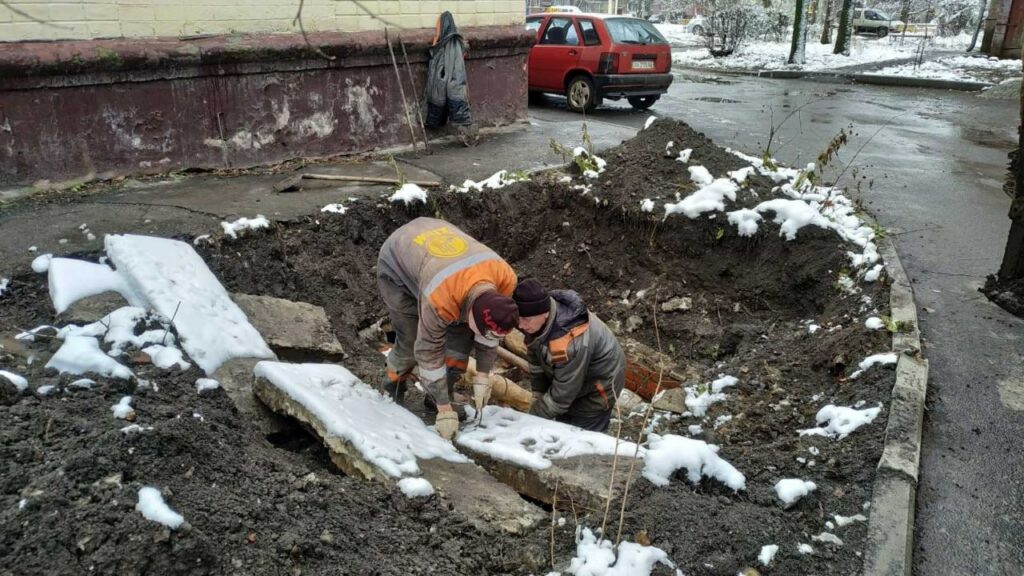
(695, 25)
(875, 21)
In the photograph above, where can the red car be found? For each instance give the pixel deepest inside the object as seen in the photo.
(589, 57)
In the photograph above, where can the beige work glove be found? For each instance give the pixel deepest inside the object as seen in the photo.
(447, 424)
(481, 391)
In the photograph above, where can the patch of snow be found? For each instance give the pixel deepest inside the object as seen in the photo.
(792, 215)
(200, 239)
(666, 454)
(4, 283)
(804, 549)
(745, 220)
(19, 381)
(118, 330)
(647, 205)
(767, 554)
(177, 284)
(740, 176)
(166, 357)
(873, 274)
(82, 354)
(650, 120)
(242, 225)
(842, 421)
(71, 280)
(790, 490)
(722, 382)
(206, 384)
(334, 208)
(415, 487)
(495, 181)
(684, 156)
(842, 521)
(694, 430)
(45, 390)
(812, 328)
(722, 420)
(828, 537)
(533, 442)
(878, 360)
(700, 175)
(153, 508)
(874, 323)
(353, 411)
(123, 409)
(600, 558)
(409, 194)
(707, 199)
(83, 383)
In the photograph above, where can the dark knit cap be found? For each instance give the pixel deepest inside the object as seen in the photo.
(532, 298)
(495, 312)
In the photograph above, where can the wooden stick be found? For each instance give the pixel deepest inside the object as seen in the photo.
(513, 359)
(401, 89)
(415, 93)
(423, 183)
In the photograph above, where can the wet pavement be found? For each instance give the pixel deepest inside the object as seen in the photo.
(929, 165)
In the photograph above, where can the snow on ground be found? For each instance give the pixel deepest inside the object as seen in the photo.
(123, 409)
(82, 354)
(176, 283)
(790, 490)
(239, 227)
(166, 357)
(71, 280)
(709, 198)
(19, 381)
(533, 442)
(206, 384)
(41, 263)
(4, 283)
(767, 554)
(874, 323)
(677, 35)
(118, 330)
(666, 454)
(499, 179)
(599, 557)
(415, 487)
(409, 194)
(152, 507)
(969, 68)
(764, 55)
(334, 208)
(828, 537)
(842, 521)
(875, 360)
(353, 411)
(804, 549)
(842, 421)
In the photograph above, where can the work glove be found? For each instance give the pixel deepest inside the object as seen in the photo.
(481, 391)
(447, 424)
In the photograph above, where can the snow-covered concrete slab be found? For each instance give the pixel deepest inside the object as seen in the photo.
(294, 330)
(176, 282)
(70, 280)
(371, 437)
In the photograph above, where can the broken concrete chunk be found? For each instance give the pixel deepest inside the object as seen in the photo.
(236, 378)
(293, 330)
(677, 304)
(673, 400)
(633, 322)
(93, 308)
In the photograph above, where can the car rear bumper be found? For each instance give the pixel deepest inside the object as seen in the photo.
(612, 85)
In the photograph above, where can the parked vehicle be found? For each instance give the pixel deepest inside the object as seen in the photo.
(656, 19)
(590, 57)
(875, 22)
(696, 25)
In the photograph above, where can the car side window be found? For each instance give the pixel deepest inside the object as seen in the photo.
(560, 32)
(590, 37)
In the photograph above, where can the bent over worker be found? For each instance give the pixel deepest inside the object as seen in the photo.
(577, 368)
(447, 295)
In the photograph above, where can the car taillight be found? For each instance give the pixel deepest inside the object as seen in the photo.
(609, 63)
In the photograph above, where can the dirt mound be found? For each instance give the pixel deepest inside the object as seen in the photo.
(752, 300)
(1008, 295)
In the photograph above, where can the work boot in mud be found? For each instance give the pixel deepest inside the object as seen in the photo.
(394, 390)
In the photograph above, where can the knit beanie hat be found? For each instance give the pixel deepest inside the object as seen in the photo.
(531, 297)
(494, 312)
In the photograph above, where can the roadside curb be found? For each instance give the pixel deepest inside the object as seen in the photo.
(848, 78)
(889, 547)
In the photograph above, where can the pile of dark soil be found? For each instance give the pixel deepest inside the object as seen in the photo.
(751, 297)
(1008, 294)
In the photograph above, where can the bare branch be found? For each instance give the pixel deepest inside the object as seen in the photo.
(305, 37)
(28, 16)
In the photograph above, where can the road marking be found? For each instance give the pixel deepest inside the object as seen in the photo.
(1011, 393)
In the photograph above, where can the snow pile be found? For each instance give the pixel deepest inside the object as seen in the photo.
(166, 357)
(384, 433)
(647, 205)
(41, 263)
(206, 384)
(745, 220)
(598, 557)
(177, 284)
(767, 554)
(792, 215)
(841, 421)
(666, 454)
(334, 209)
(118, 330)
(709, 198)
(152, 506)
(533, 442)
(874, 323)
(415, 487)
(498, 180)
(239, 227)
(790, 490)
(875, 360)
(699, 175)
(722, 382)
(684, 156)
(649, 122)
(959, 68)
(123, 409)
(19, 381)
(409, 194)
(71, 280)
(82, 354)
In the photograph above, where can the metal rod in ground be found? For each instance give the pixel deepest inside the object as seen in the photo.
(401, 89)
(415, 93)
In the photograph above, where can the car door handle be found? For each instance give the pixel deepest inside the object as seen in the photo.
(572, 52)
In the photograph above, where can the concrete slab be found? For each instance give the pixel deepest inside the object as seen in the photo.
(295, 331)
(889, 545)
(236, 378)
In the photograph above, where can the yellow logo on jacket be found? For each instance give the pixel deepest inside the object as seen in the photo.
(442, 243)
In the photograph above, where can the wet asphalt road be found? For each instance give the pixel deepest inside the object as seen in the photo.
(931, 171)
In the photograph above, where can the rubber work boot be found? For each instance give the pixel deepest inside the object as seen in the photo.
(394, 390)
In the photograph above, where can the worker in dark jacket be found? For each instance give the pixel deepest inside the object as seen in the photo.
(577, 367)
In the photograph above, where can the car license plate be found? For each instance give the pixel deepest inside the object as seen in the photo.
(643, 64)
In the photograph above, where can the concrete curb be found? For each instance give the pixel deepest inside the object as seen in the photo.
(889, 547)
(837, 77)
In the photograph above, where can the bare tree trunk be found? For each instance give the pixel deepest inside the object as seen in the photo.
(1013, 258)
(826, 25)
(798, 47)
(844, 29)
(982, 5)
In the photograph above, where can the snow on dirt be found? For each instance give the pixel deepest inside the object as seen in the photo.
(243, 225)
(841, 421)
(790, 490)
(600, 557)
(118, 330)
(416, 487)
(351, 410)
(533, 442)
(123, 409)
(498, 180)
(19, 381)
(166, 357)
(666, 454)
(41, 263)
(152, 507)
(71, 280)
(177, 284)
(880, 359)
(874, 323)
(408, 194)
(82, 354)
(206, 385)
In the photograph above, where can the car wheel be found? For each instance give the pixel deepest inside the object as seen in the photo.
(642, 102)
(581, 94)
(882, 32)
(698, 30)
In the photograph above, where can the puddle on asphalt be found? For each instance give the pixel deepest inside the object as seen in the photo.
(987, 138)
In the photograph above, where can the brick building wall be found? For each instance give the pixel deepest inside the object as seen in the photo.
(22, 20)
